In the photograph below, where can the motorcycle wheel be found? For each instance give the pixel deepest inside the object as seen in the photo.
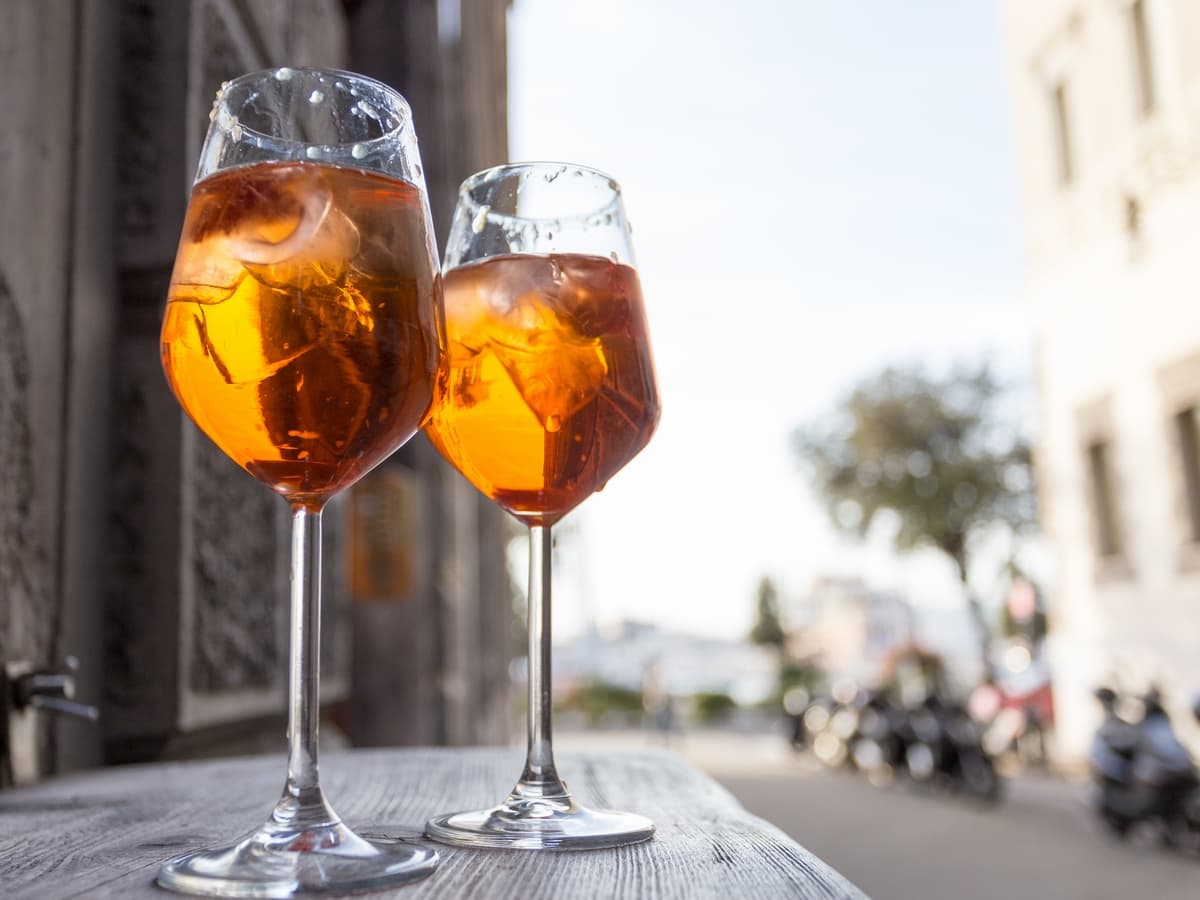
(1116, 826)
(1181, 832)
(920, 763)
(979, 778)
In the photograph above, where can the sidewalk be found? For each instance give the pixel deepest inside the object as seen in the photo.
(712, 750)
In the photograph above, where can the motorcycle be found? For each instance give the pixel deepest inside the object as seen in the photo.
(827, 725)
(1143, 774)
(946, 750)
(880, 742)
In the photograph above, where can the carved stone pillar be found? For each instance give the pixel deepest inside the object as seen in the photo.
(39, 81)
(197, 611)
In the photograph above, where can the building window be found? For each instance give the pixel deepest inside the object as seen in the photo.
(1103, 500)
(1143, 68)
(1062, 132)
(1189, 458)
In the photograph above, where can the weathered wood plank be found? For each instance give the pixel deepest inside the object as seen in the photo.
(105, 834)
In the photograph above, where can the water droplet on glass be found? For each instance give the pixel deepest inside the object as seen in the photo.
(283, 74)
(608, 218)
(316, 97)
(358, 151)
(613, 256)
(553, 423)
(312, 152)
(236, 132)
(549, 235)
(368, 109)
(480, 220)
(417, 171)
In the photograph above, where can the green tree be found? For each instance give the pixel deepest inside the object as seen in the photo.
(767, 630)
(937, 452)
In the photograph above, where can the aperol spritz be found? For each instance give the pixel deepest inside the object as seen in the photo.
(299, 333)
(551, 387)
(302, 334)
(550, 391)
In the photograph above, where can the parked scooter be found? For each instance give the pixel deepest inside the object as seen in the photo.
(880, 743)
(1144, 774)
(937, 744)
(833, 723)
(946, 750)
(826, 724)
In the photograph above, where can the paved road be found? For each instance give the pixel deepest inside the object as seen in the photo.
(1040, 842)
(900, 845)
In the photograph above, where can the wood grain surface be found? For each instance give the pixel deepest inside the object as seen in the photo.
(104, 834)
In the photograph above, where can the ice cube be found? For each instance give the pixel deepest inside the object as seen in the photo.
(464, 346)
(466, 377)
(511, 285)
(592, 295)
(204, 278)
(555, 370)
(311, 248)
(555, 383)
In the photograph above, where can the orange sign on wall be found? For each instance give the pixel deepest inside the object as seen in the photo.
(385, 535)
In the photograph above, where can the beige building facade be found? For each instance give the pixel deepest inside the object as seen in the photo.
(1106, 104)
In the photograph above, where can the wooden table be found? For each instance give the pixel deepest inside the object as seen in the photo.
(104, 833)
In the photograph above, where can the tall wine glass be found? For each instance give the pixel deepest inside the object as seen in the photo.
(551, 391)
(301, 334)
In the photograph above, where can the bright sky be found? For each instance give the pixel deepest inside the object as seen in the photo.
(817, 189)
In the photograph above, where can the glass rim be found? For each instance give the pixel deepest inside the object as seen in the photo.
(228, 120)
(471, 182)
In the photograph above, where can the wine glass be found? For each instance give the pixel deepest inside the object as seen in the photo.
(302, 335)
(550, 392)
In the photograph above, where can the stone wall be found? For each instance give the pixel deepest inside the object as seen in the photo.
(126, 538)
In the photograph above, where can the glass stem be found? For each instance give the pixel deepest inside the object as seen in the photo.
(303, 803)
(540, 778)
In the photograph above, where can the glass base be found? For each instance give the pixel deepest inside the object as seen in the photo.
(275, 862)
(540, 824)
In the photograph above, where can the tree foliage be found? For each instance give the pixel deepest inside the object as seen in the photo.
(767, 630)
(937, 452)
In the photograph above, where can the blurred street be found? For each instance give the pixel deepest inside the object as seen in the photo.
(1040, 842)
